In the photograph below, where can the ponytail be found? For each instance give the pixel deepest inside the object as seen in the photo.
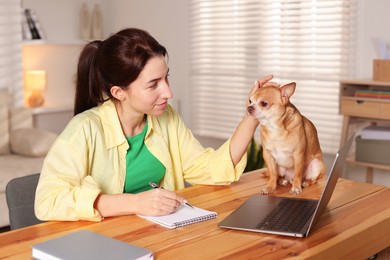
(89, 88)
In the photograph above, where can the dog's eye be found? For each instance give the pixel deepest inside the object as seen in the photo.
(263, 103)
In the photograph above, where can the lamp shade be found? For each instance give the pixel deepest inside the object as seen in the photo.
(35, 80)
(35, 83)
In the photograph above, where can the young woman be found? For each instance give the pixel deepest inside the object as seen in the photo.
(124, 135)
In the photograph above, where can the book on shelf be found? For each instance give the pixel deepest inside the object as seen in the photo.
(31, 26)
(182, 217)
(376, 132)
(372, 93)
(84, 244)
(25, 27)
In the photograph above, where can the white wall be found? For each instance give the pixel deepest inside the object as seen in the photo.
(373, 23)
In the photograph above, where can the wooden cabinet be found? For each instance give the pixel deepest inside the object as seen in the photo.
(363, 109)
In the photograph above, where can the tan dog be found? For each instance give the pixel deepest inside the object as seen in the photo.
(291, 149)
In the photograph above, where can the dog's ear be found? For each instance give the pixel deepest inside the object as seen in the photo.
(287, 91)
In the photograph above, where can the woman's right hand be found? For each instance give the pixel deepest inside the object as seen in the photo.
(157, 202)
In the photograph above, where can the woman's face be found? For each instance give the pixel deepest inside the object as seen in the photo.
(150, 92)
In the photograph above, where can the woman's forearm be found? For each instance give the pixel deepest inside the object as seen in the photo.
(110, 205)
(242, 137)
(153, 202)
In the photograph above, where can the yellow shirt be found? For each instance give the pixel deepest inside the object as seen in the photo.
(89, 158)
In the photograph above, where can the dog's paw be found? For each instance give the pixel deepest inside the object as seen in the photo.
(283, 182)
(267, 190)
(296, 190)
(306, 183)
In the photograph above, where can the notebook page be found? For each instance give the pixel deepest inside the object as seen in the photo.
(182, 217)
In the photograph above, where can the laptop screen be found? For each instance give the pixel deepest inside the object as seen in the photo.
(334, 173)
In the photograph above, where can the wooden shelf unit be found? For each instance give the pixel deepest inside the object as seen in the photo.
(363, 109)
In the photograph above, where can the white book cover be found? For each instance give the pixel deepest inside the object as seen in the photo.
(375, 133)
(84, 244)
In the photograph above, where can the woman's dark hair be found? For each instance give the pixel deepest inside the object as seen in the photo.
(116, 61)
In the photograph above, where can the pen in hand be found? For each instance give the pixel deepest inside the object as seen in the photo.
(155, 186)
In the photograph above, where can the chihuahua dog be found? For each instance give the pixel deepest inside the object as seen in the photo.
(291, 148)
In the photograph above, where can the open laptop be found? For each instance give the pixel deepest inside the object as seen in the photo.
(260, 213)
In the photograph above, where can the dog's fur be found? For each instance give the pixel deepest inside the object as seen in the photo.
(291, 148)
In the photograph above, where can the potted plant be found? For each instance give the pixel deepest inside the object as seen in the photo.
(255, 156)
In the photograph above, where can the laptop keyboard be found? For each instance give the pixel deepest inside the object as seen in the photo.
(290, 215)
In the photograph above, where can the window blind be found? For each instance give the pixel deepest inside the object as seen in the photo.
(234, 43)
(10, 50)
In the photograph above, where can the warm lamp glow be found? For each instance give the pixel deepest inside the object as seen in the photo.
(35, 82)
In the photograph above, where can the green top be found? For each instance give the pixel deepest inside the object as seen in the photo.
(141, 166)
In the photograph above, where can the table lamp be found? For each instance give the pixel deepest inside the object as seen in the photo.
(35, 83)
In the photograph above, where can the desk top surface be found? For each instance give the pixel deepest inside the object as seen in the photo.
(355, 224)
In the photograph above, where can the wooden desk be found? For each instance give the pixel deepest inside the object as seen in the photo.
(356, 226)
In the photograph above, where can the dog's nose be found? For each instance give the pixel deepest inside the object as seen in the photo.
(250, 109)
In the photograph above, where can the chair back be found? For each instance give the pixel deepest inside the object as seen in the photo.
(20, 196)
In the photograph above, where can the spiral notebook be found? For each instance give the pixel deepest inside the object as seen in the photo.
(182, 217)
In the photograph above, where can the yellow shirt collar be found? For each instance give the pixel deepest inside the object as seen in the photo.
(112, 127)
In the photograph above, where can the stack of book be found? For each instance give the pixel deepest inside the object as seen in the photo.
(31, 27)
(372, 93)
(381, 132)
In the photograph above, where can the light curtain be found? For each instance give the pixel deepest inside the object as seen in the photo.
(11, 75)
(233, 43)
